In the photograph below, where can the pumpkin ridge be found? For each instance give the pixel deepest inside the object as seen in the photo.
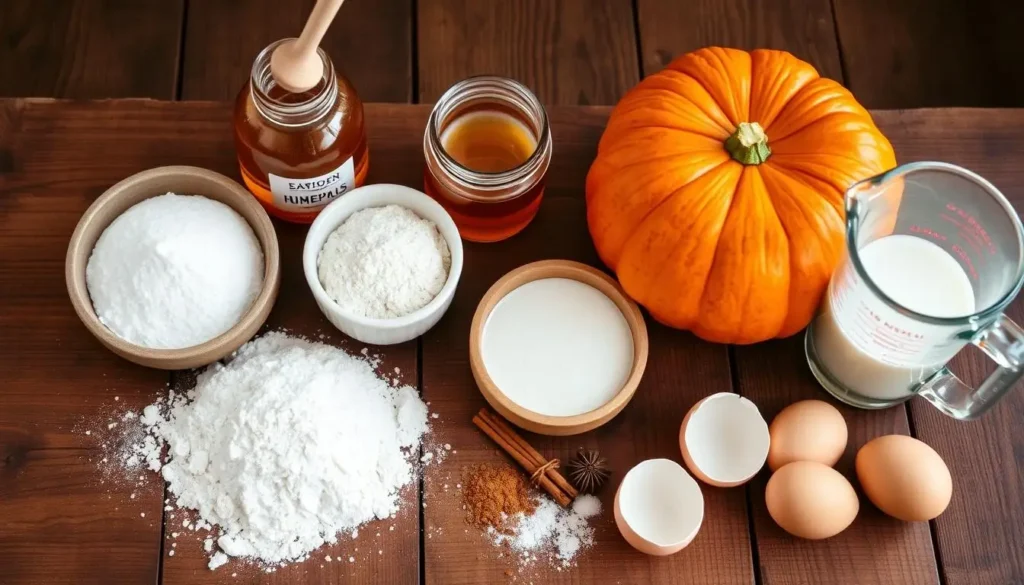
(800, 177)
(682, 97)
(773, 62)
(668, 197)
(836, 201)
(831, 118)
(744, 306)
(772, 195)
(823, 92)
(730, 188)
(717, 139)
(718, 67)
(850, 159)
(811, 170)
(633, 165)
(722, 68)
(807, 280)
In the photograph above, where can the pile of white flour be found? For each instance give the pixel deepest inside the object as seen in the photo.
(384, 262)
(174, 271)
(287, 445)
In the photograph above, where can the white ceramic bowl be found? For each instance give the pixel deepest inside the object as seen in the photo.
(366, 329)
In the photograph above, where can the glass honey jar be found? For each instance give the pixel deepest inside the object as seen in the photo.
(487, 147)
(299, 151)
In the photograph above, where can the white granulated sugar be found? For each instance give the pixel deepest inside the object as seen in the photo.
(174, 271)
(285, 446)
(560, 533)
(384, 262)
(586, 506)
(217, 560)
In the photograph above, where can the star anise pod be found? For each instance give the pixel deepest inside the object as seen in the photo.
(588, 471)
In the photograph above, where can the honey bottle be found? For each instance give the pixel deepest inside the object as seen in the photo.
(299, 151)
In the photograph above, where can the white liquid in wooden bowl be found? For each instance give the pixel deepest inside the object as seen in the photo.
(558, 347)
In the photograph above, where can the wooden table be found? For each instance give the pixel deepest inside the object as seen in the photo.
(63, 521)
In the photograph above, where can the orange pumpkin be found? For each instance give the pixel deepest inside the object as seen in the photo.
(717, 192)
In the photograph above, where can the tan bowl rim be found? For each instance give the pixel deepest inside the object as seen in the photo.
(573, 270)
(271, 267)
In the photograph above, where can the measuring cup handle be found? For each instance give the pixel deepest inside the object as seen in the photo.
(1003, 341)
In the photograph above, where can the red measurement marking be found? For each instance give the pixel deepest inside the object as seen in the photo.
(973, 227)
(928, 232)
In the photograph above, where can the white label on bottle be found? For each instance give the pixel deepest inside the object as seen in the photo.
(313, 193)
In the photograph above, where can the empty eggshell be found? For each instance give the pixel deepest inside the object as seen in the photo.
(658, 507)
(904, 477)
(811, 500)
(809, 430)
(724, 439)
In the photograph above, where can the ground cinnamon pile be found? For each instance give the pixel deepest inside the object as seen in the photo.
(494, 495)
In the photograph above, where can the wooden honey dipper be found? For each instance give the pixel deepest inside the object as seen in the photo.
(295, 64)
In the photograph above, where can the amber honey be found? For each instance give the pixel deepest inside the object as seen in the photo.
(297, 152)
(487, 155)
(488, 141)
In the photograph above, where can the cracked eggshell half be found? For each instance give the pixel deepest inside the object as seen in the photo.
(724, 440)
(658, 507)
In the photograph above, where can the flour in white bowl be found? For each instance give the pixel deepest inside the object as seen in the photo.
(174, 271)
(384, 262)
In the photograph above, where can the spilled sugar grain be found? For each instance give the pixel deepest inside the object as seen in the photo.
(551, 532)
(283, 408)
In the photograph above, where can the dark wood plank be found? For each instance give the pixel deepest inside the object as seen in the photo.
(802, 27)
(979, 535)
(918, 53)
(680, 371)
(90, 48)
(370, 42)
(875, 548)
(567, 52)
(62, 519)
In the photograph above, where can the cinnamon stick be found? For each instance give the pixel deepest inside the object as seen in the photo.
(526, 456)
(533, 455)
(521, 458)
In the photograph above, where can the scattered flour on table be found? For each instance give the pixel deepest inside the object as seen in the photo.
(551, 531)
(174, 271)
(384, 262)
(287, 445)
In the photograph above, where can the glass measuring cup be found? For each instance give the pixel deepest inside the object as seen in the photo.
(954, 233)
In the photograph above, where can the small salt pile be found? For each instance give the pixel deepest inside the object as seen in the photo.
(174, 271)
(559, 532)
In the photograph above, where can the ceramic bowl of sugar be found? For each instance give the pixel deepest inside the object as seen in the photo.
(557, 348)
(174, 267)
(383, 262)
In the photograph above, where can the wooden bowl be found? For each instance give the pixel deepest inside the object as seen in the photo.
(186, 181)
(534, 421)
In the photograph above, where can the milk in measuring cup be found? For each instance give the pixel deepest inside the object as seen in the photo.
(871, 348)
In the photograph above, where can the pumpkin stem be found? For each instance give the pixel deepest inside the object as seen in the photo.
(748, 144)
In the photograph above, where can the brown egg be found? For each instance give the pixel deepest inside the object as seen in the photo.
(809, 430)
(904, 478)
(811, 500)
